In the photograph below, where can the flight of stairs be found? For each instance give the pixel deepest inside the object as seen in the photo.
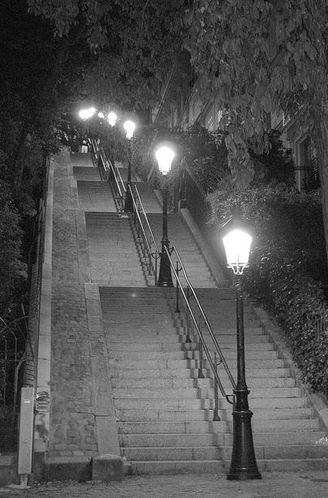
(164, 411)
(113, 255)
(162, 424)
(286, 430)
(181, 238)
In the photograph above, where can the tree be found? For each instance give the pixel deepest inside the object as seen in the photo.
(132, 43)
(257, 56)
(261, 57)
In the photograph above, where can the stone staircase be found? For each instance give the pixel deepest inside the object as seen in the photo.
(113, 255)
(181, 238)
(285, 428)
(164, 411)
(162, 424)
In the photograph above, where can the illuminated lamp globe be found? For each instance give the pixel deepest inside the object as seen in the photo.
(112, 118)
(164, 156)
(85, 114)
(129, 127)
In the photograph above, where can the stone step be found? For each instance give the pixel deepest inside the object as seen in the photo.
(284, 425)
(298, 451)
(232, 355)
(160, 383)
(171, 453)
(167, 440)
(153, 374)
(180, 354)
(252, 365)
(272, 396)
(169, 427)
(282, 439)
(168, 404)
(177, 467)
(179, 415)
(282, 413)
(155, 394)
(154, 346)
(258, 405)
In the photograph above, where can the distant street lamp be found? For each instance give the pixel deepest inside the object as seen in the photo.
(164, 156)
(237, 243)
(112, 118)
(129, 127)
(85, 114)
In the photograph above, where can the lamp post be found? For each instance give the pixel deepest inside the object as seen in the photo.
(237, 243)
(129, 127)
(164, 156)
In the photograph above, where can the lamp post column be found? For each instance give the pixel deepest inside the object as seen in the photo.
(243, 461)
(165, 276)
(128, 206)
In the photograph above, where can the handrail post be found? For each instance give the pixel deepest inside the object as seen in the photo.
(177, 308)
(188, 338)
(201, 358)
(216, 391)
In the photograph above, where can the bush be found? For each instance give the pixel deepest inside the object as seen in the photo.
(288, 268)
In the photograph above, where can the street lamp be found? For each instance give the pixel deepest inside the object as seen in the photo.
(112, 118)
(164, 156)
(129, 127)
(85, 114)
(237, 243)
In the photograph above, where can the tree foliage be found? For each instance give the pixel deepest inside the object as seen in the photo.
(260, 57)
(132, 43)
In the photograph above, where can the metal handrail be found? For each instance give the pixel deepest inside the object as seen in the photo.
(150, 244)
(142, 209)
(137, 209)
(197, 327)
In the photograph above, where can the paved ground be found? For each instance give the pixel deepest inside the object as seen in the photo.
(273, 485)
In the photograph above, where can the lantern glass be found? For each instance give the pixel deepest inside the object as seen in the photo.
(112, 118)
(164, 156)
(87, 113)
(237, 245)
(129, 127)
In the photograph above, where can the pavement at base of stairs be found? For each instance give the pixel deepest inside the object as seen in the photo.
(272, 485)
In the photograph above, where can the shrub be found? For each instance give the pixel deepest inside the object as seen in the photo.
(288, 269)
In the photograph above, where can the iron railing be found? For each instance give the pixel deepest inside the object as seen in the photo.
(146, 239)
(196, 325)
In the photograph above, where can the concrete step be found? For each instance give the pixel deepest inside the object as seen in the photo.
(154, 467)
(153, 415)
(152, 374)
(282, 413)
(261, 426)
(292, 464)
(145, 453)
(170, 427)
(155, 346)
(167, 404)
(155, 394)
(232, 355)
(282, 439)
(167, 440)
(160, 383)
